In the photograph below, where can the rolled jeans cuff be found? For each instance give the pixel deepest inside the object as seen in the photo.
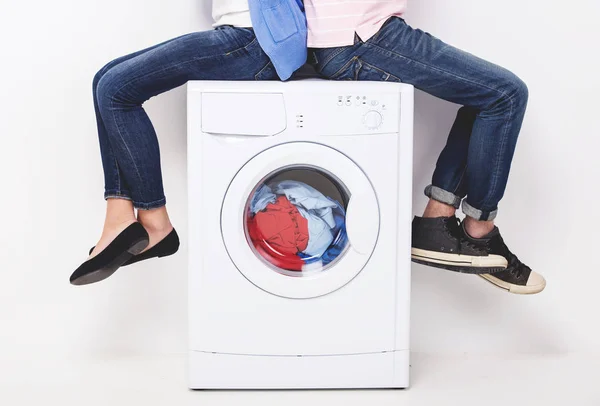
(442, 196)
(478, 214)
(115, 194)
(151, 205)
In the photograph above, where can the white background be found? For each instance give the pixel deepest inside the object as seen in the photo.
(52, 207)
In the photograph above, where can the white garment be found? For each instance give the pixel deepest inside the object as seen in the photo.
(231, 12)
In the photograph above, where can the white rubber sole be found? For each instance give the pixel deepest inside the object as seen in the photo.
(490, 261)
(517, 289)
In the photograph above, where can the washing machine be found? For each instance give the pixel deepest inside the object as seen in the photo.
(299, 234)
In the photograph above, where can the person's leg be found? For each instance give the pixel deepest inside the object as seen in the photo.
(453, 160)
(119, 208)
(113, 180)
(128, 141)
(476, 160)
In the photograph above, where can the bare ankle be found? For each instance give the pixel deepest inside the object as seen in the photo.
(119, 212)
(155, 220)
(438, 209)
(478, 228)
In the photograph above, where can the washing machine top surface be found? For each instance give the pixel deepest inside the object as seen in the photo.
(306, 107)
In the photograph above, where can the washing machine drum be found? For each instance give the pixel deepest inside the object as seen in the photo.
(295, 227)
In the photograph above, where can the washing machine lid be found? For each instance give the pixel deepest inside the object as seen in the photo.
(362, 219)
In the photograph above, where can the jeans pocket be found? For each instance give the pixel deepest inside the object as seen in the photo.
(280, 21)
(357, 69)
(347, 71)
(366, 71)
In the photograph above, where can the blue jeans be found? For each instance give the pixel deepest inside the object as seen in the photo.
(476, 159)
(128, 143)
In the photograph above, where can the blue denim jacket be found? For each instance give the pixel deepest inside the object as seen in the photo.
(280, 27)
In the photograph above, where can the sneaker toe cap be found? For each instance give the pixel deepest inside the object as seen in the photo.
(536, 281)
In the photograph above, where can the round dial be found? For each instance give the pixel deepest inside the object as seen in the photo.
(372, 119)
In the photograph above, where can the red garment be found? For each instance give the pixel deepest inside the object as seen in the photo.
(279, 233)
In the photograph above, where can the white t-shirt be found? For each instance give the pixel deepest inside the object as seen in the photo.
(231, 12)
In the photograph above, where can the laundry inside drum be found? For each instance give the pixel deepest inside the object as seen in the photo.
(295, 220)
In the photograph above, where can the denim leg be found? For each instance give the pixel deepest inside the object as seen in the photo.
(480, 147)
(114, 182)
(449, 184)
(222, 54)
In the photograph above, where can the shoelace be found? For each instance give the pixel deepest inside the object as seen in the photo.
(454, 229)
(515, 266)
(452, 225)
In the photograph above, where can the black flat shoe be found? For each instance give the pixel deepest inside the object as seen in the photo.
(167, 246)
(130, 242)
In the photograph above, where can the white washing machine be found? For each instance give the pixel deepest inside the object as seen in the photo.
(299, 234)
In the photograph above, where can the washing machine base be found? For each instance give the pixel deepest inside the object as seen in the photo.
(209, 370)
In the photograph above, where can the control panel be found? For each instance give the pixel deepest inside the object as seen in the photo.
(372, 109)
(374, 113)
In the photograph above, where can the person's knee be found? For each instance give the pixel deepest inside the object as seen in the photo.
(103, 89)
(97, 78)
(110, 86)
(517, 90)
(100, 74)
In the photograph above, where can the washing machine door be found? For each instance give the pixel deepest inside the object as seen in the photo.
(300, 220)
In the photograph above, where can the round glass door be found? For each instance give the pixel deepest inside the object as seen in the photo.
(295, 220)
(300, 220)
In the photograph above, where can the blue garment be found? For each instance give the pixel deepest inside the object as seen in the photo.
(262, 197)
(476, 160)
(336, 247)
(325, 217)
(314, 207)
(280, 27)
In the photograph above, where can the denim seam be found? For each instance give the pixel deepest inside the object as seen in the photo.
(316, 60)
(262, 70)
(357, 68)
(330, 58)
(500, 153)
(116, 191)
(150, 205)
(384, 50)
(240, 44)
(126, 146)
(245, 47)
(344, 67)
(389, 75)
(375, 37)
(117, 196)
(117, 172)
(462, 175)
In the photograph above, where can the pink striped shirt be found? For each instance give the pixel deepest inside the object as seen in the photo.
(332, 23)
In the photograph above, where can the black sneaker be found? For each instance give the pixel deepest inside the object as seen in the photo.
(517, 277)
(440, 242)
